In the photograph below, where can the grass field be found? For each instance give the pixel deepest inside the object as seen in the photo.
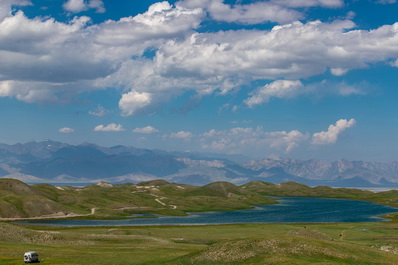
(348, 243)
(370, 243)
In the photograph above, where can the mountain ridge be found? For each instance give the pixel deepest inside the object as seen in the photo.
(51, 162)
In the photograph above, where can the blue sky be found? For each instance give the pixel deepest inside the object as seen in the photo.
(294, 78)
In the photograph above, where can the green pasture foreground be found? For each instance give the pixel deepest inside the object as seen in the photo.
(371, 243)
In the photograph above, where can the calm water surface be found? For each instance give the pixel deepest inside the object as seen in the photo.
(290, 210)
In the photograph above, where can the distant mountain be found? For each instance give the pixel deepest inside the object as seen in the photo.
(90, 162)
(339, 173)
(55, 162)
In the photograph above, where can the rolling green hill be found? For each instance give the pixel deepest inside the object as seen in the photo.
(294, 189)
(18, 200)
(104, 200)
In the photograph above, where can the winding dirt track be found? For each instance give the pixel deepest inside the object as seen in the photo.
(50, 216)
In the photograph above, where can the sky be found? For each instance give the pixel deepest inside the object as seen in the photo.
(292, 78)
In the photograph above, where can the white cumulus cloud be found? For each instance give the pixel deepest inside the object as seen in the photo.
(181, 135)
(76, 6)
(99, 111)
(134, 101)
(287, 140)
(112, 127)
(255, 13)
(98, 5)
(395, 63)
(53, 59)
(281, 11)
(251, 140)
(146, 130)
(278, 89)
(338, 71)
(6, 7)
(44, 60)
(66, 130)
(330, 136)
(290, 89)
(310, 3)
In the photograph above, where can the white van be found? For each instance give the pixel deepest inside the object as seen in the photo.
(31, 257)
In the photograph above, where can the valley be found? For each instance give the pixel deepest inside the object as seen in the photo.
(303, 243)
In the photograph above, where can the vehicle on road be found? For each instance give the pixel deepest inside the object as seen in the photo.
(31, 257)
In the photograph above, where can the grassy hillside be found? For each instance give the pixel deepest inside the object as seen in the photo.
(289, 250)
(294, 189)
(223, 195)
(104, 200)
(18, 200)
(228, 244)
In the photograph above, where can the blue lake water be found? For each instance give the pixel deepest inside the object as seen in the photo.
(289, 210)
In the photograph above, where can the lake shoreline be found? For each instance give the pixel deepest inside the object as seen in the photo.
(290, 210)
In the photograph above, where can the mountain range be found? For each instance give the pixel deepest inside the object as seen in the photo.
(55, 162)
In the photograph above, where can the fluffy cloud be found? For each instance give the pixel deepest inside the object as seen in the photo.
(395, 63)
(99, 111)
(52, 56)
(286, 140)
(98, 5)
(66, 130)
(291, 51)
(6, 6)
(330, 136)
(112, 127)
(338, 71)
(255, 141)
(278, 89)
(223, 61)
(290, 89)
(37, 51)
(76, 6)
(48, 61)
(37, 91)
(160, 21)
(258, 12)
(181, 135)
(251, 140)
(309, 3)
(146, 130)
(281, 11)
(133, 101)
(327, 88)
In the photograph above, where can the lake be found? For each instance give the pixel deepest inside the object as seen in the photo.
(289, 210)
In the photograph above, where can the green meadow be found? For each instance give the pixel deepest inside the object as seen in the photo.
(350, 243)
(343, 243)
